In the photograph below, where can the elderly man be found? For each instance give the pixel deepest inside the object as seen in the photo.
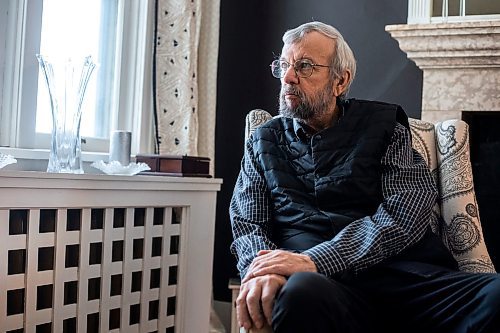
(331, 210)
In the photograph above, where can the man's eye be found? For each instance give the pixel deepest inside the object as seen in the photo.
(305, 66)
(284, 65)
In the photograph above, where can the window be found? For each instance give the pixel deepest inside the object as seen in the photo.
(118, 35)
(437, 11)
(447, 8)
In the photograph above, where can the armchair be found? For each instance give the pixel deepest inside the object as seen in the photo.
(445, 148)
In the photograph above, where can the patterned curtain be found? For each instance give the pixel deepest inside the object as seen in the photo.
(185, 69)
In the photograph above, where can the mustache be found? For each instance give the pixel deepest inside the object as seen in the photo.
(290, 90)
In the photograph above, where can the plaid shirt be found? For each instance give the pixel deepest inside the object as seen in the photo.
(401, 219)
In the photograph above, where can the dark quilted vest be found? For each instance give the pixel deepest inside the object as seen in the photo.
(320, 184)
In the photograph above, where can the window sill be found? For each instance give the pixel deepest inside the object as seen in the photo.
(37, 159)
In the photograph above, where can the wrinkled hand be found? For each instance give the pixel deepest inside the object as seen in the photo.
(279, 262)
(255, 301)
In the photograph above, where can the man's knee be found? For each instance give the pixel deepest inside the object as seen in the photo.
(299, 299)
(311, 302)
(301, 292)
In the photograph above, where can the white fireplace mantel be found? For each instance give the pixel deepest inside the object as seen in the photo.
(460, 63)
(450, 45)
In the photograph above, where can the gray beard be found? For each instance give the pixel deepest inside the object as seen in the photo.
(309, 107)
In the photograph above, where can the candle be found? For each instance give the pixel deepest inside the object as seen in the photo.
(119, 147)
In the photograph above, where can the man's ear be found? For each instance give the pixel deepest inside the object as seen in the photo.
(341, 83)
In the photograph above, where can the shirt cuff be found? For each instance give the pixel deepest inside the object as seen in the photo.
(328, 261)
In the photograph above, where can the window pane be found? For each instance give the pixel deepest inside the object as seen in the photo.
(482, 7)
(80, 28)
(437, 8)
(453, 7)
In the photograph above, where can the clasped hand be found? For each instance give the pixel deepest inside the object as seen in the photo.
(265, 276)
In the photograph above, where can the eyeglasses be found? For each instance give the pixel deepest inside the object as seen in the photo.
(302, 68)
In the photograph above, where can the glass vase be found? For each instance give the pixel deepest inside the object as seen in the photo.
(66, 80)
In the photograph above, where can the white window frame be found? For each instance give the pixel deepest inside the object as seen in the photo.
(420, 12)
(134, 90)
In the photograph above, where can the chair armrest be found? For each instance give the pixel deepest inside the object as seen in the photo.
(462, 231)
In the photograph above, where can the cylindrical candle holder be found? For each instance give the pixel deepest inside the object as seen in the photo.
(119, 147)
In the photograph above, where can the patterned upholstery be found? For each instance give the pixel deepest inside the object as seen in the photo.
(254, 119)
(445, 148)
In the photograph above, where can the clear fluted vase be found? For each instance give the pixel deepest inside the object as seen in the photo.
(67, 81)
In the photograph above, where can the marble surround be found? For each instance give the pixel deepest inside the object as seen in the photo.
(460, 64)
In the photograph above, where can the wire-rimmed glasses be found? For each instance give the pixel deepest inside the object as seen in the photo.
(302, 68)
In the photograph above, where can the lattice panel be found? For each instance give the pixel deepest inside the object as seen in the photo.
(89, 269)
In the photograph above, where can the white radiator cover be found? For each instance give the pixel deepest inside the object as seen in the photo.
(122, 254)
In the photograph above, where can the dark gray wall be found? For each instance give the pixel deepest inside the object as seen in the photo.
(250, 37)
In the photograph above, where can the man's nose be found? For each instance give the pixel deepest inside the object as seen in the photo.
(291, 76)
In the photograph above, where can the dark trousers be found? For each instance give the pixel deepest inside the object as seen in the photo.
(392, 298)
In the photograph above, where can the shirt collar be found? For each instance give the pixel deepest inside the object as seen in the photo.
(302, 131)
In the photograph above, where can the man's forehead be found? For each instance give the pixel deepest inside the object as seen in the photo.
(311, 45)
